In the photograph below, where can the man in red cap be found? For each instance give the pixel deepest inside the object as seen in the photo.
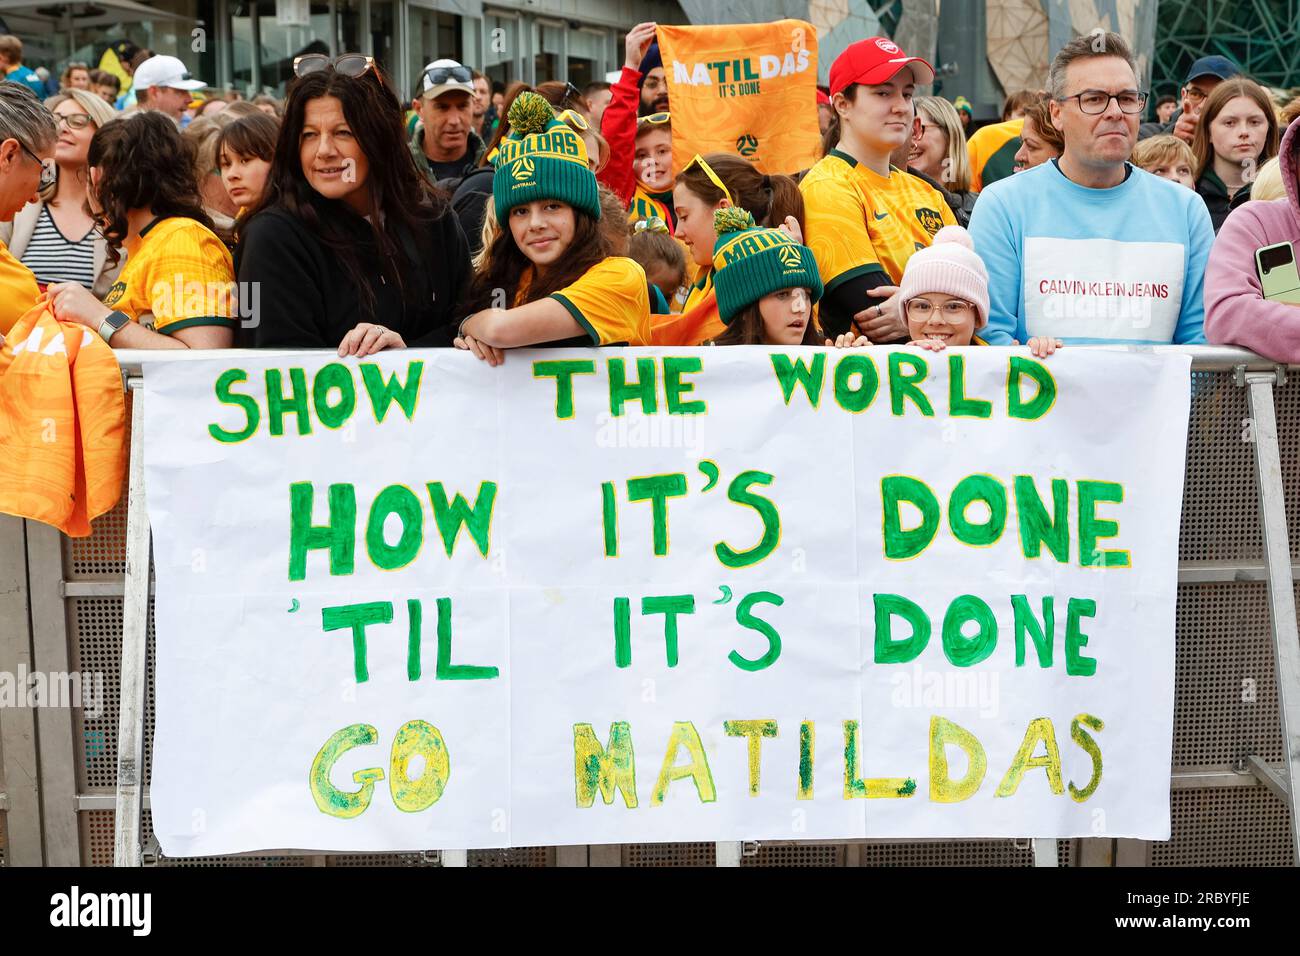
(865, 218)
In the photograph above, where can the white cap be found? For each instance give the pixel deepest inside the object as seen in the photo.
(449, 83)
(164, 71)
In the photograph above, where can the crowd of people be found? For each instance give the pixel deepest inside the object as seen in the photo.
(488, 219)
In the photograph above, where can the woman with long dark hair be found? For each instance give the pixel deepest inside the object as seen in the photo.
(550, 257)
(176, 289)
(350, 247)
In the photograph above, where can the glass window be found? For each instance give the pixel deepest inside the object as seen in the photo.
(433, 36)
(502, 47)
(383, 45)
(546, 62)
(349, 26)
(279, 45)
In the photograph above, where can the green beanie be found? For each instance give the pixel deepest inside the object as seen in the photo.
(542, 158)
(749, 263)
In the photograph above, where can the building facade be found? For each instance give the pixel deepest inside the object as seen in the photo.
(249, 45)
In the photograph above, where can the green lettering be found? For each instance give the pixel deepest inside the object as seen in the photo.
(622, 391)
(903, 543)
(1037, 528)
(669, 605)
(1043, 399)
(860, 398)
(330, 377)
(446, 669)
(959, 406)
(563, 370)
(401, 501)
(675, 366)
(1042, 635)
(252, 414)
(657, 489)
(383, 392)
(738, 491)
(963, 651)
(974, 488)
(451, 517)
(278, 404)
(1093, 528)
(1076, 665)
(789, 374)
(888, 650)
(746, 619)
(907, 385)
(355, 618)
(339, 536)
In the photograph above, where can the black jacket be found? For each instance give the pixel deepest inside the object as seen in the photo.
(470, 204)
(961, 204)
(474, 148)
(1217, 200)
(305, 297)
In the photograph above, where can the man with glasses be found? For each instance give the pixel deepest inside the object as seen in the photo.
(27, 137)
(1086, 248)
(444, 145)
(1203, 76)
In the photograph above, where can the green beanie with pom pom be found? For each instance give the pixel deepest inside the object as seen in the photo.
(750, 262)
(542, 158)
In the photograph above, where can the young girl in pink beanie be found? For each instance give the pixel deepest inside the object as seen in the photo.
(945, 295)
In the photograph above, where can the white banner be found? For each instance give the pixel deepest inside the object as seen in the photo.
(662, 595)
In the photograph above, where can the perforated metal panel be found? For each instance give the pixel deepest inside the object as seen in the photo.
(97, 626)
(948, 853)
(102, 555)
(1220, 509)
(1237, 826)
(97, 846)
(1225, 697)
(670, 854)
(805, 855)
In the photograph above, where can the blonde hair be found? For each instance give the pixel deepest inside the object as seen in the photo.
(487, 235)
(1268, 181)
(957, 175)
(1163, 150)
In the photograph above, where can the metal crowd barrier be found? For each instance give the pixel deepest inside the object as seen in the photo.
(73, 781)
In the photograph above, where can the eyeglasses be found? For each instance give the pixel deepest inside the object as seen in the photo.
(654, 119)
(438, 75)
(1093, 102)
(699, 161)
(49, 173)
(73, 120)
(1193, 94)
(952, 310)
(348, 64)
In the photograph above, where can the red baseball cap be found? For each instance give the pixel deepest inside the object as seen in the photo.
(823, 99)
(875, 60)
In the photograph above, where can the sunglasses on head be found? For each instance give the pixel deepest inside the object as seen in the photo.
(438, 75)
(713, 177)
(347, 64)
(574, 119)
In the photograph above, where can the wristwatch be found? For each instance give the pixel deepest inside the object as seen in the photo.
(112, 322)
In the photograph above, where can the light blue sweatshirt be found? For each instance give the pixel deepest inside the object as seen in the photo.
(1123, 265)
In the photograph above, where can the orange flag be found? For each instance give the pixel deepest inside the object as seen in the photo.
(744, 88)
(692, 326)
(62, 423)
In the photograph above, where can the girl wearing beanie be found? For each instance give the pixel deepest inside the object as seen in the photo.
(766, 284)
(550, 258)
(945, 295)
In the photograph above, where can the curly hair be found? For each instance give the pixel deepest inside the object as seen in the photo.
(144, 164)
(505, 265)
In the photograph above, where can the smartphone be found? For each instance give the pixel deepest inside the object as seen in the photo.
(1277, 272)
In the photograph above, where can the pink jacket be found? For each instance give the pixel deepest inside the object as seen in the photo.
(1236, 313)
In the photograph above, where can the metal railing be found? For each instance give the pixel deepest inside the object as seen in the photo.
(1228, 625)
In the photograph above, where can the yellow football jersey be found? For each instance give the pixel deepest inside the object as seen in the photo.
(611, 302)
(178, 274)
(859, 221)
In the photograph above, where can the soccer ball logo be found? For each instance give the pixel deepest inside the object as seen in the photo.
(790, 257)
(523, 169)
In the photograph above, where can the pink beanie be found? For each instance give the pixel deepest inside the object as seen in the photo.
(949, 265)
